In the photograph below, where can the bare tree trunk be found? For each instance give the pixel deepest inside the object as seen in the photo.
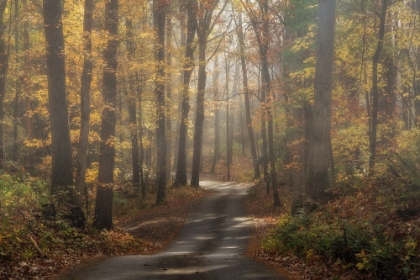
(183, 39)
(318, 178)
(247, 102)
(199, 118)
(18, 88)
(159, 17)
(181, 172)
(131, 97)
(62, 169)
(86, 81)
(104, 191)
(27, 92)
(216, 151)
(374, 90)
(3, 71)
(169, 97)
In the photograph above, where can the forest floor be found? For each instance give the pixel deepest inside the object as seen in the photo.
(141, 227)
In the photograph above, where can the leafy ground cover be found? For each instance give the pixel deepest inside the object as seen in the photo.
(369, 232)
(32, 247)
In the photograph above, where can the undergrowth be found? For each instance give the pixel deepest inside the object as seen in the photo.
(374, 230)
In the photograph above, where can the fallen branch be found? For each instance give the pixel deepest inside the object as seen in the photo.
(37, 247)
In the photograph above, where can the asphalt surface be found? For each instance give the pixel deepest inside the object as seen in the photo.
(210, 245)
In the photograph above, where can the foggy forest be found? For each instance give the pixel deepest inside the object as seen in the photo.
(119, 117)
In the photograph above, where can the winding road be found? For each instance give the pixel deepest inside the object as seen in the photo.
(210, 245)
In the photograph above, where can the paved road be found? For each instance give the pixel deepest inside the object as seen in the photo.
(210, 245)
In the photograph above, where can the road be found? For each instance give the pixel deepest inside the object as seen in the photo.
(210, 245)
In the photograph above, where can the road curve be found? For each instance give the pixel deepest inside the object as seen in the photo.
(210, 245)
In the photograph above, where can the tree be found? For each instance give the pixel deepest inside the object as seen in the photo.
(262, 37)
(86, 82)
(3, 71)
(62, 169)
(374, 91)
(132, 103)
(205, 26)
(216, 150)
(159, 17)
(181, 171)
(104, 191)
(318, 178)
(246, 94)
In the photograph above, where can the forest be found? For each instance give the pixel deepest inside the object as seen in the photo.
(104, 103)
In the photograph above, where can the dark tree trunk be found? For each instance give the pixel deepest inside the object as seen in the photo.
(18, 88)
(25, 78)
(181, 172)
(199, 118)
(204, 28)
(318, 178)
(104, 192)
(86, 81)
(62, 169)
(247, 103)
(169, 98)
(131, 97)
(216, 152)
(3, 71)
(374, 91)
(159, 16)
(183, 39)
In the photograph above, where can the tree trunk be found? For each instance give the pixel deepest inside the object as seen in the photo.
(248, 119)
(181, 172)
(62, 169)
(131, 98)
(318, 178)
(3, 71)
(216, 151)
(86, 81)
(159, 17)
(169, 98)
(374, 90)
(27, 91)
(199, 118)
(18, 88)
(204, 29)
(104, 192)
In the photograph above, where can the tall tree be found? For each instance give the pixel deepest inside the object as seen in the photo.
(374, 91)
(246, 96)
(188, 66)
(216, 151)
(205, 26)
(104, 191)
(62, 169)
(3, 71)
(159, 18)
(318, 177)
(260, 24)
(131, 97)
(86, 82)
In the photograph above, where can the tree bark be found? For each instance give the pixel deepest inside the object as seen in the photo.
(62, 169)
(248, 119)
(104, 192)
(169, 98)
(216, 151)
(86, 81)
(374, 91)
(181, 172)
(204, 28)
(159, 17)
(318, 178)
(131, 97)
(3, 71)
